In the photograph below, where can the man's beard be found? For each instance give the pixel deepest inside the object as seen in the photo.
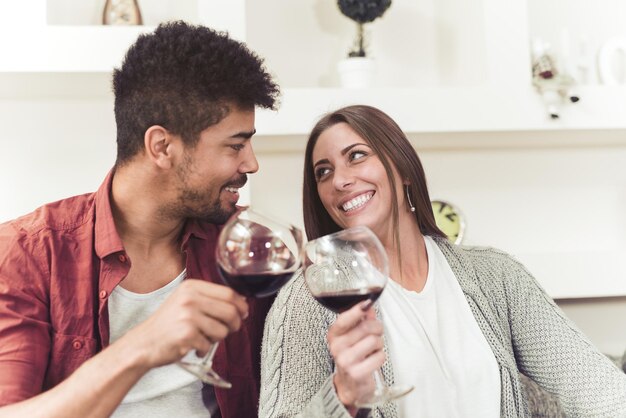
(213, 213)
(193, 203)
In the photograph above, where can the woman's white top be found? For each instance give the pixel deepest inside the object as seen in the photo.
(165, 391)
(436, 345)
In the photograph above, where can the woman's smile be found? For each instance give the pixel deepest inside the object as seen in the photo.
(353, 204)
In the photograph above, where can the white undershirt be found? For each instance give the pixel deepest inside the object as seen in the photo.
(435, 345)
(165, 391)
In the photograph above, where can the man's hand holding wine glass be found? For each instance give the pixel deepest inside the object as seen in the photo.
(355, 341)
(195, 316)
(255, 256)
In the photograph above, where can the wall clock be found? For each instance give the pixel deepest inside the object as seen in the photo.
(449, 219)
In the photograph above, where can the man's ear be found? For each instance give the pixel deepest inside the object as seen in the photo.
(160, 145)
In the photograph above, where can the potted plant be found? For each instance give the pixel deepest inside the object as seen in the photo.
(357, 70)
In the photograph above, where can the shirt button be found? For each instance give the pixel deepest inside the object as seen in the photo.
(77, 345)
(122, 258)
(103, 294)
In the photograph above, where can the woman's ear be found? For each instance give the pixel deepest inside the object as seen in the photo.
(159, 146)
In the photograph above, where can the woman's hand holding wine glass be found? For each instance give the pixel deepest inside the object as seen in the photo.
(345, 272)
(355, 341)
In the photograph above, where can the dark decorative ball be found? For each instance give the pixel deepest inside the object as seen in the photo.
(363, 11)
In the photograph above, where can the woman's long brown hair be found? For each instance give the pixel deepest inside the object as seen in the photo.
(393, 149)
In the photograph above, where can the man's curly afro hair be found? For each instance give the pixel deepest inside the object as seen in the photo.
(185, 78)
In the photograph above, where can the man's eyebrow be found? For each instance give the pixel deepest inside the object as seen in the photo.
(244, 134)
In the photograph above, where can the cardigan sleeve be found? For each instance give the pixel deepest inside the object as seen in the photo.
(554, 353)
(296, 366)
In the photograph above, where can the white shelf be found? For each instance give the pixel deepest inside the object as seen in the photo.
(452, 109)
(434, 117)
(48, 47)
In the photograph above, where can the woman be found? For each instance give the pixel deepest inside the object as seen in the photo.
(460, 323)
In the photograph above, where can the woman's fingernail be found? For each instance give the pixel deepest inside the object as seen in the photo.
(366, 305)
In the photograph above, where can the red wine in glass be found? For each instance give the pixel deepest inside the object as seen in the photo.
(257, 262)
(257, 285)
(343, 300)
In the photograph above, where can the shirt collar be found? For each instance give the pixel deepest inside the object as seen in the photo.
(108, 241)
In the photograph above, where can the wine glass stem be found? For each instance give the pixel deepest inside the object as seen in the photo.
(207, 360)
(378, 379)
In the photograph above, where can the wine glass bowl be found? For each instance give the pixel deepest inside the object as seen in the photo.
(255, 256)
(343, 269)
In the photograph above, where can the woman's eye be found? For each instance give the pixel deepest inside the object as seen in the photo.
(321, 172)
(357, 155)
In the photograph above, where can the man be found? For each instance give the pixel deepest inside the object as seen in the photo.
(92, 296)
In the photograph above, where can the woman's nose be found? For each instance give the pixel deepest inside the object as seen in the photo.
(343, 178)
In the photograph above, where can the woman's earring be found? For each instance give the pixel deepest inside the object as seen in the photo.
(408, 198)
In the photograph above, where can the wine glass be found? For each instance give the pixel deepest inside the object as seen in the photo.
(255, 256)
(343, 269)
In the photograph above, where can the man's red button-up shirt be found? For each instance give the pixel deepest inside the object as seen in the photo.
(58, 266)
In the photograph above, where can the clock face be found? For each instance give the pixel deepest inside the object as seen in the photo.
(449, 220)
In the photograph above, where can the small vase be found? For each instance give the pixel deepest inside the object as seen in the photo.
(356, 72)
(121, 12)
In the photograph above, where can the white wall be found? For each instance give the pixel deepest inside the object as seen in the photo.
(545, 193)
(57, 138)
(421, 43)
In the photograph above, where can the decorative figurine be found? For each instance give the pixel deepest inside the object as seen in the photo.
(556, 88)
(121, 12)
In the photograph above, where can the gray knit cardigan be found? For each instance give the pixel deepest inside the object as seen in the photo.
(527, 332)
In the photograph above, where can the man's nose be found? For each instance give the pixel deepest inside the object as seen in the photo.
(250, 163)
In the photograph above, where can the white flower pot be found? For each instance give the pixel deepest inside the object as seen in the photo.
(356, 72)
